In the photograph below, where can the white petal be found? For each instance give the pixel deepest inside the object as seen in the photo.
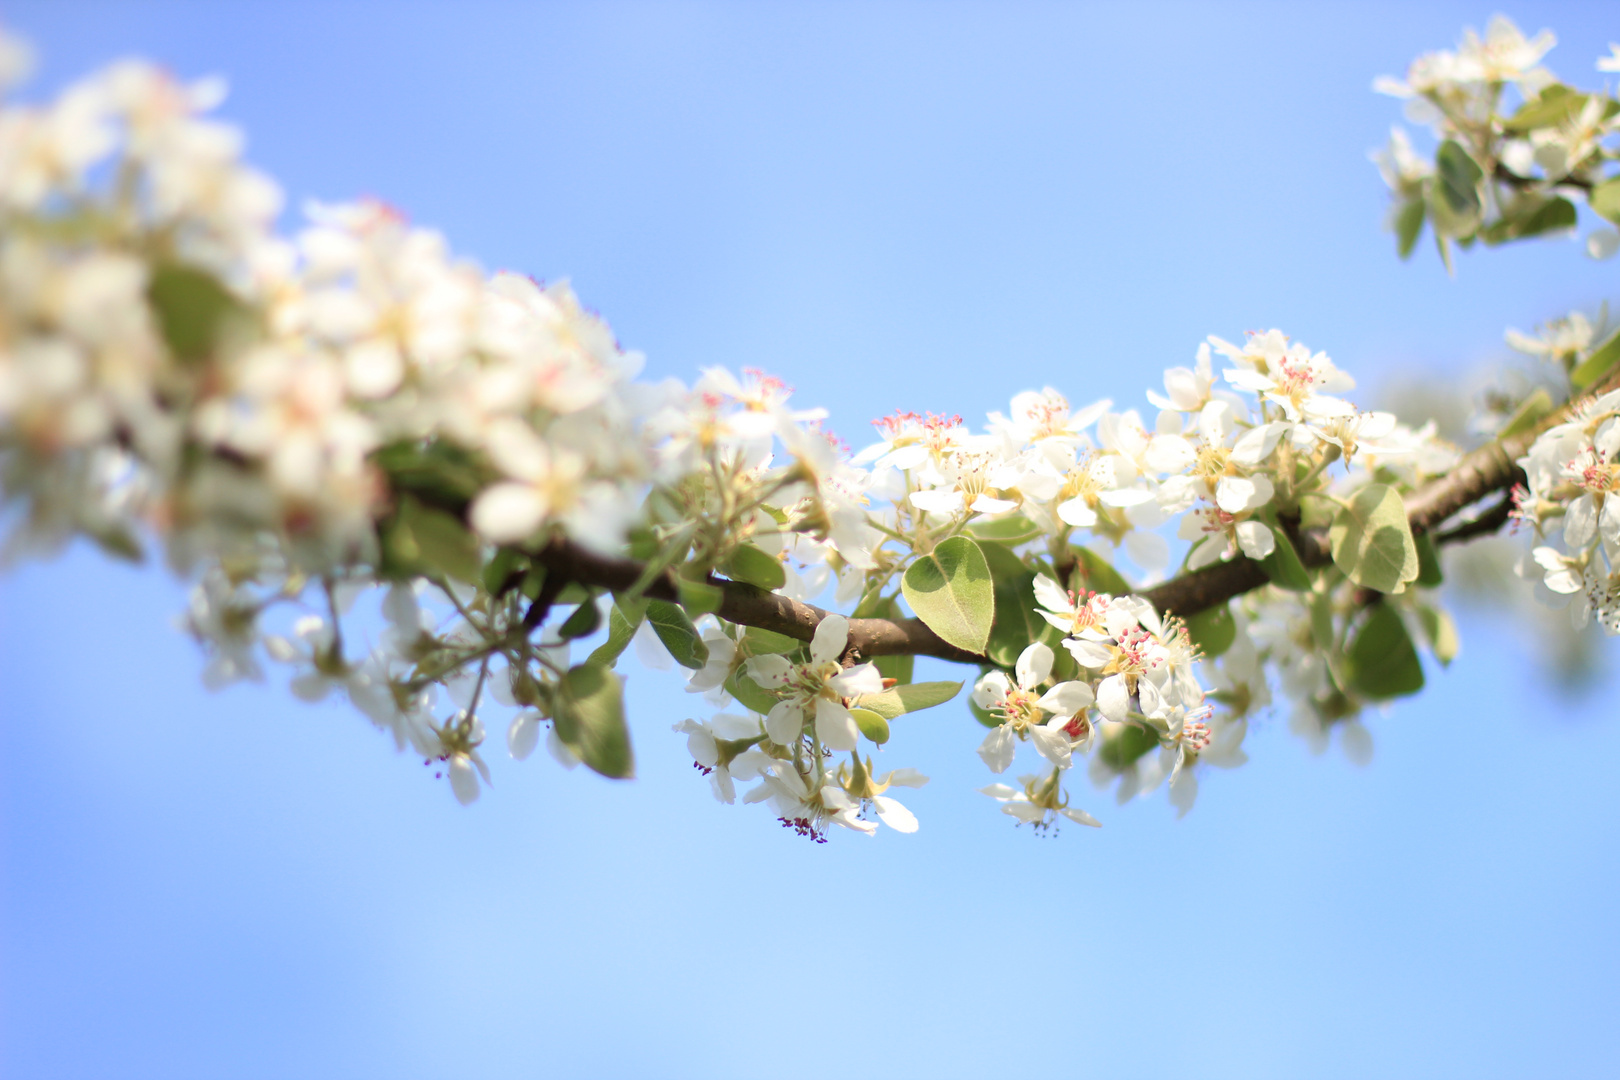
(997, 749)
(1077, 512)
(1089, 654)
(894, 815)
(835, 727)
(1034, 665)
(1053, 743)
(858, 680)
(524, 734)
(832, 634)
(785, 722)
(1067, 698)
(1080, 817)
(1114, 699)
(1255, 539)
(1580, 523)
(463, 780)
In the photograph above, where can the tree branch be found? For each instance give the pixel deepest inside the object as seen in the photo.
(1489, 469)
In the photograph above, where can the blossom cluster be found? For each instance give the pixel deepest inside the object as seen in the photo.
(349, 435)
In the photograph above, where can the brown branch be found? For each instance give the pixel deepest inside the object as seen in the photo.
(1489, 469)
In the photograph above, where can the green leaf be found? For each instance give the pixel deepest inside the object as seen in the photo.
(1124, 744)
(118, 542)
(1528, 414)
(1382, 662)
(504, 564)
(588, 711)
(1372, 542)
(585, 620)
(1441, 632)
(903, 699)
(1605, 199)
(1553, 106)
(900, 668)
(192, 309)
(1098, 575)
(1283, 565)
(951, 592)
(1322, 621)
(1213, 630)
(624, 619)
(872, 725)
(753, 697)
(1597, 363)
(761, 641)
(439, 472)
(1409, 225)
(1430, 575)
(419, 539)
(1016, 624)
(1554, 215)
(698, 597)
(674, 628)
(1459, 178)
(1012, 527)
(748, 563)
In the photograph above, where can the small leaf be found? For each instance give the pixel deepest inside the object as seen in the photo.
(1213, 630)
(1528, 414)
(748, 563)
(585, 620)
(674, 628)
(506, 563)
(1605, 199)
(1441, 631)
(1124, 744)
(1409, 226)
(439, 472)
(1553, 106)
(1098, 575)
(1459, 177)
(1322, 621)
(900, 668)
(1372, 542)
(752, 696)
(624, 619)
(762, 641)
(1383, 664)
(872, 725)
(192, 309)
(1283, 565)
(903, 699)
(1597, 363)
(698, 597)
(419, 539)
(588, 711)
(1430, 575)
(1012, 527)
(951, 592)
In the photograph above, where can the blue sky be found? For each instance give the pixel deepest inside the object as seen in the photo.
(892, 206)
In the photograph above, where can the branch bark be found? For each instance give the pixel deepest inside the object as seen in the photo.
(1489, 469)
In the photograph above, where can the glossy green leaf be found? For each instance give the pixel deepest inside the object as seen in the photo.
(698, 597)
(1409, 225)
(1598, 363)
(192, 309)
(1555, 105)
(1124, 744)
(419, 539)
(1372, 542)
(762, 641)
(1528, 414)
(1012, 527)
(624, 619)
(903, 699)
(1098, 575)
(1016, 623)
(1605, 199)
(748, 563)
(1381, 660)
(1213, 630)
(872, 725)
(1283, 565)
(950, 590)
(674, 628)
(749, 693)
(584, 621)
(588, 711)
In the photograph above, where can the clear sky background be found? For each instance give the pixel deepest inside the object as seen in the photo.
(923, 206)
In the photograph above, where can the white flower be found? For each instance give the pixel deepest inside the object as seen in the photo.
(724, 750)
(1022, 711)
(1039, 803)
(816, 689)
